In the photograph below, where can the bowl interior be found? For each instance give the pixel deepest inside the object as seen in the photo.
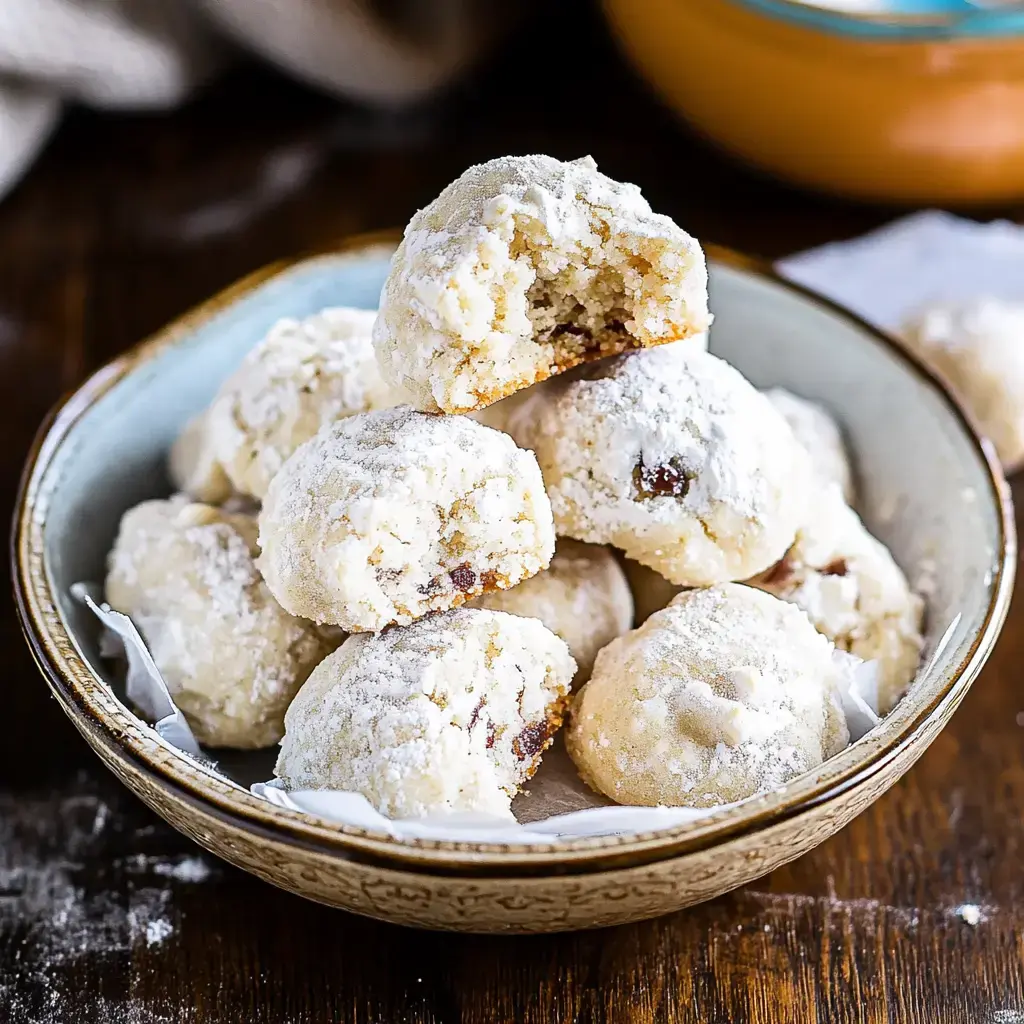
(927, 487)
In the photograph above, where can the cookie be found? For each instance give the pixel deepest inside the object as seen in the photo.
(650, 590)
(815, 428)
(193, 466)
(977, 348)
(583, 597)
(450, 714)
(386, 516)
(232, 658)
(524, 267)
(726, 693)
(854, 592)
(670, 455)
(305, 373)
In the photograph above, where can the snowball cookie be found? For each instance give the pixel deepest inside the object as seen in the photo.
(303, 374)
(232, 658)
(978, 349)
(724, 694)
(583, 597)
(524, 267)
(670, 455)
(854, 593)
(814, 427)
(650, 590)
(388, 515)
(450, 714)
(193, 466)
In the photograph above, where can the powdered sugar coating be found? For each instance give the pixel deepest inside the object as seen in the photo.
(450, 714)
(583, 597)
(193, 465)
(854, 592)
(231, 656)
(670, 455)
(724, 694)
(386, 516)
(978, 349)
(814, 427)
(650, 590)
(523, 267)
(304, 373)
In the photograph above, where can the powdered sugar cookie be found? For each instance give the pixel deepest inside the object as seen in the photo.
(524, 267)
(303, 374)
(853, 592)
(670, 455)
(385, 516)
(193, 465)
(582, 597)
(232, 658)
(978, 349)
(450, 714)
(724, 694)
(818, 432)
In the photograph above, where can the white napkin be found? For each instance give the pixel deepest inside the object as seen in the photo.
(890, 274)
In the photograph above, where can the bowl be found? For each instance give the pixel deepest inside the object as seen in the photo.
(899, 110)
(931, 489)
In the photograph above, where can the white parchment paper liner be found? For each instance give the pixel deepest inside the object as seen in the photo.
(558, 805)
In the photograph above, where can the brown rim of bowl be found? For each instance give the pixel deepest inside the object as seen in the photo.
(94, 709)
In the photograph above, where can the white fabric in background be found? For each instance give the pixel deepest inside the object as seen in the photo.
(151, 54)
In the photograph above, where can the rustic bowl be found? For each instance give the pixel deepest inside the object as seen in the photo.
(930, 489)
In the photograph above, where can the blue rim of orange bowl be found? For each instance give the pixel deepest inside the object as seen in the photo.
(120, 738)
(903, 20)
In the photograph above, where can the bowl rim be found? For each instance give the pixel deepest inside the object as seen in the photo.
(120, 737)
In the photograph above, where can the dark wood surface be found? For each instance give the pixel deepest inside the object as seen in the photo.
(914, 912)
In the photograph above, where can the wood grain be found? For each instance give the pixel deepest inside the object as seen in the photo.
(124, 224)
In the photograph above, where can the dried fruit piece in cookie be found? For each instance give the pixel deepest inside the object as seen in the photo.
(305, 373)
(524, 267)
(814, 427)
(450, 714)
(724, 694)
(854, 592)
(670, 455)
(582, 597)
(385, 516)
(978, 349)
(232, 657)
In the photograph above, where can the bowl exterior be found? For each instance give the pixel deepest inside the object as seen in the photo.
(910, 121)
(548, 902)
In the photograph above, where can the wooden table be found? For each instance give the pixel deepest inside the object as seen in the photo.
(914, 912)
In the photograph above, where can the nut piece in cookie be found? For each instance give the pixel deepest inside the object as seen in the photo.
(583, 597)
(724, 694)
(853, 591)
(386, 516)
(450, 714)
(231, 656)
(525, 267)
(670, 455)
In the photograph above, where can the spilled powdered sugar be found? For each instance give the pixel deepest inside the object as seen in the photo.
(66, 895)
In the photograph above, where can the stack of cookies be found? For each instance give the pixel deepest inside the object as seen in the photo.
(403, 540)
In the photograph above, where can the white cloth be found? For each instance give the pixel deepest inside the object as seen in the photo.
(150, 54)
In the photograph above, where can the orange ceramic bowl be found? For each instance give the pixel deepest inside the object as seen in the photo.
(927, 116)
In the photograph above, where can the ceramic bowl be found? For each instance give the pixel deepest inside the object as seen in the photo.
(931, 490)
(911, 110)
